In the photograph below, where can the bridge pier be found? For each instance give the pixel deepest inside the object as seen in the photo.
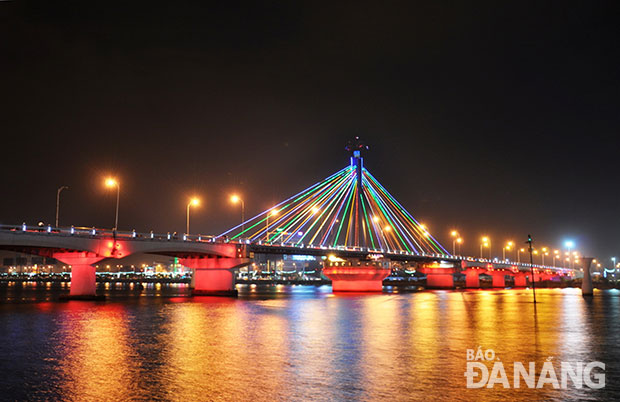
(499, 277)
(349, 277)
(83, 275)
(214, 276)
(439, 278)
(472, 278)
(520, 280)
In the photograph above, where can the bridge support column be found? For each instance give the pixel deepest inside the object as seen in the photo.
(472, 278)
(214, 276)
(439, 278)
(357, 278)
(520, 281)
(83, 277)
(499, 278)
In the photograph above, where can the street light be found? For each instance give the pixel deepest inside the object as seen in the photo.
(455, 236)
(273, 212)
(508, 247)
(569, 244)
(486, 242)
(544, 252)
(519, 251)
(112, 182)
(236, 199)
(193, 202)
(58, 201)
(459, 241)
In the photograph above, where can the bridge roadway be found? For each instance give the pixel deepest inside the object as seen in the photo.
(214, 260)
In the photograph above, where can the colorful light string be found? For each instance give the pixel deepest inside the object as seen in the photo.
(335, 213)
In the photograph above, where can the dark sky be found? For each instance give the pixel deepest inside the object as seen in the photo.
(495, 118)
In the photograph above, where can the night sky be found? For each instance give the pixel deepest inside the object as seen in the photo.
(494, 118)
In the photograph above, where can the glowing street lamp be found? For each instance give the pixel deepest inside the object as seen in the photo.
(236, 199)
(424, 229)
(273, 212)
(193, 202)
(486, 242)
(112, 182)
(543, 253)
(519, 251)
(569, 244)
(508, 247)
(455, 236)
(459, 241)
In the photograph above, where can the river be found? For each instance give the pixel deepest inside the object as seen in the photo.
(296, 343)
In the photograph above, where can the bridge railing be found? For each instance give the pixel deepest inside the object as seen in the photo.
(92, 232)
(389, 252)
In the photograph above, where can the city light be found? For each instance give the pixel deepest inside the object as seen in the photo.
(111, 182)
(235, 199)
(193, 202)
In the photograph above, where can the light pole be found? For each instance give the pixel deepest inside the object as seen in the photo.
(455, 236)
(273, 212)
(569, 244)
(529, 244)
(507, 248)
(459, 241)
(519, 251)
(236, 199)
(543, 253)
(58, 201)
(555, 255)
(193, 202)
(111, 182)
(486, 242)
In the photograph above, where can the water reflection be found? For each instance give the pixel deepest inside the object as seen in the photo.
(297, 343)
(97, 362)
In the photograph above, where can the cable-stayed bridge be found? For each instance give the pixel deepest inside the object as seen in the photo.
(348, 217)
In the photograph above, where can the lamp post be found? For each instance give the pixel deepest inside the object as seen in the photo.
(58, 201)
(508, 247)
(519, 251)
(543, 253)
(459, 241)
(111, 182)
(193, 202)
(486, 242)
(529, 244)
(236, 199)
(569, 244)
(455, 236)
(273, 212)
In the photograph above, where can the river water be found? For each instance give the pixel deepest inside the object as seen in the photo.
(296, 343)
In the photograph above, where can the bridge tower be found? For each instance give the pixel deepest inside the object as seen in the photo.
(355, 275)
(357, 163)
